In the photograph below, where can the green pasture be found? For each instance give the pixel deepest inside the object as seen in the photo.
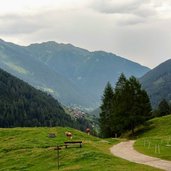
(30, 149)
(156, 139)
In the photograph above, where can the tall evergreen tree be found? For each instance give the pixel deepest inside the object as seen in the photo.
(139, 105)
(106, 111)
(163, 108)
(120, 105)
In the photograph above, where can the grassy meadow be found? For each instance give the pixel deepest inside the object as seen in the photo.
(156, 140)
(30, 149)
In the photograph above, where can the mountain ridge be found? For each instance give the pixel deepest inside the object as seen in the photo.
(73, 75)
(83, 49)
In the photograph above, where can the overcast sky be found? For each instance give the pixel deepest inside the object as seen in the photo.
(139, 30)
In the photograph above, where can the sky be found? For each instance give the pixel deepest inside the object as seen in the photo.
(139, 30)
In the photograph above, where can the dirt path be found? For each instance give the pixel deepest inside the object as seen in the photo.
(126, 151)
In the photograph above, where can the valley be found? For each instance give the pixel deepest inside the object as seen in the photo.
(85, 85)
(52, 88)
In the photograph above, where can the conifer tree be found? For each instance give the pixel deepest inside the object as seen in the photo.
(139, 105)
(163, 108)
(125, 107)
(120, 105)
(106, 111)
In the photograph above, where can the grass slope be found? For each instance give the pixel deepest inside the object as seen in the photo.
(30, 149)
(156, 141)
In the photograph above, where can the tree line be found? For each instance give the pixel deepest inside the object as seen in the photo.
(123, 107)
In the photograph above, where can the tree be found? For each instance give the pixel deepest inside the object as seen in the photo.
(163, 108)
(120, 105)
(127, 107)
(140, 107)
(129, 100)
(106, 111)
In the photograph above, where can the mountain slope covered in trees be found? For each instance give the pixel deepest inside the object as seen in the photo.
(157, 83)
(71, 74)
(23, 105)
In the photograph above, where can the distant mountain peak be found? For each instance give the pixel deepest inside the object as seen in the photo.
(1, 40)
(48, 43)
(76, 76)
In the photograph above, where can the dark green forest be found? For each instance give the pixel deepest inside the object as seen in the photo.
(23, 106)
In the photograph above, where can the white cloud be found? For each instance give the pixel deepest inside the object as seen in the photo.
(113, 6)
(148, 9)
(138, 30)
(32, 6)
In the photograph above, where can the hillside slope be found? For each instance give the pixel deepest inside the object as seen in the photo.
(156, 140)
(33, 150)
(89, 70)
(159, 127)
(23, 105)
(73, 75)
(18, 61)
(157, 82)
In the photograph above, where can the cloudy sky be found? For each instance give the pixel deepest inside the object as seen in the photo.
(139, 30)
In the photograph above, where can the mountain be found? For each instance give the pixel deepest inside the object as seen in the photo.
(20, 62)
(73, 75)
(23, 105)
(157, 83)
(96, 112)
(89, 70)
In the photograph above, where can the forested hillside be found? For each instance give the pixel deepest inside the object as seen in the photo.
(157, 82)
(23, 105)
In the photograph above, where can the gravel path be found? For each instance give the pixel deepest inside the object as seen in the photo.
(126, 151)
